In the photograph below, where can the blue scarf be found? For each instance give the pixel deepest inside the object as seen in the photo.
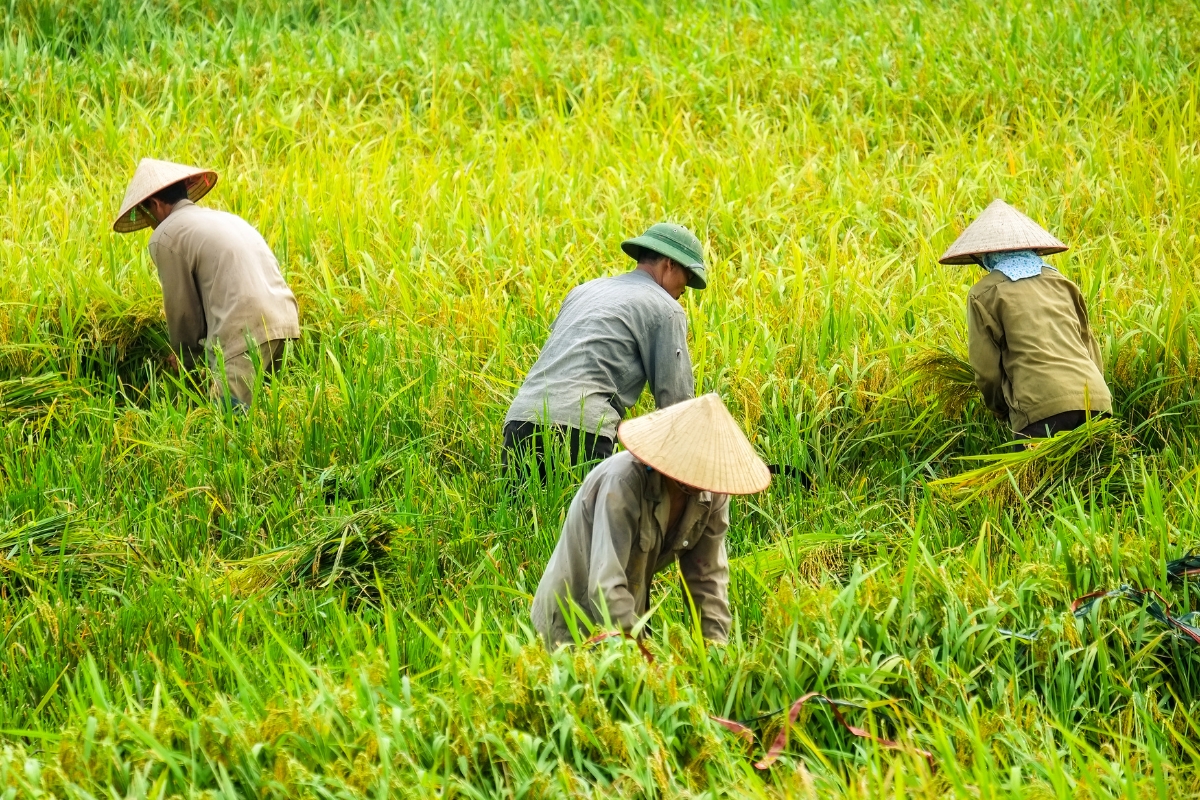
(1015, 264)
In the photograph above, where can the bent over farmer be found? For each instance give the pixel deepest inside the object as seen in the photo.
(665, 499)
(1036, 361)
(223, 292)
(612, 336)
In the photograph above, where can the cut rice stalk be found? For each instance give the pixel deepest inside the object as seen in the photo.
(39, 533)
(29, 398)
(806, 556)
(114, 332)
(1092, 452)
(348, 548)
(945, 374)
(45, 547)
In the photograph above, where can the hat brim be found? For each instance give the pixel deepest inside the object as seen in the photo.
(699, 444)
(1000, 229)
(962, 259)
(129, 220)
(697, 277)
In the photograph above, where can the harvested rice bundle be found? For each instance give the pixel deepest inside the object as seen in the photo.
(46, 547)
(116, 332)
(29, 398)
(39, 533)
(806, 556)
(1093, 452)
(945, 374)
(347, 548)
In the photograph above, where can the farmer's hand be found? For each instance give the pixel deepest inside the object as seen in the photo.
(172, 362)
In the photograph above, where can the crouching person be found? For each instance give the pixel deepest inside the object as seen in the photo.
(223, 292)
(612, 338)
(1036, 361)
(665, 498)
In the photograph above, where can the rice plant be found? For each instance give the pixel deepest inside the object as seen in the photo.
(349, 549)
(945, 376)
(28, 398)
(329, 595)
(1089, 457)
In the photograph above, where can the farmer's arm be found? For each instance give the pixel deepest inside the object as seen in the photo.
(705, 571)
(983, 335)
(181, 301)
(614, 528)
(669, 365)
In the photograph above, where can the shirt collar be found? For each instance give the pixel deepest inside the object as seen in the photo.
(640, 275)
(157, 237)
(697, 505)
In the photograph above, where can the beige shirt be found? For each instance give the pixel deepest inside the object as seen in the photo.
(220, 282)
(614, 540)
(1032, 348)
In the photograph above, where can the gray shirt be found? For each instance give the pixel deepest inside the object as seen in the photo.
(220, 282)
(611, 337)
(615, 539)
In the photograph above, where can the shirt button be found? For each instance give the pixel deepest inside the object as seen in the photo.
(685, 542)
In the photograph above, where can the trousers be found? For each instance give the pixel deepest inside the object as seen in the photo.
(236, 385)
(522, 438)
(1056, 423)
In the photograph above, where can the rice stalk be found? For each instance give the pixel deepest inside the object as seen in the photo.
(531, 146)
(116, 332)
(807, 556)
(1032, 470)
(45, 547)
(345, 549)
(30, 398)
(945, 374)
(37, 533)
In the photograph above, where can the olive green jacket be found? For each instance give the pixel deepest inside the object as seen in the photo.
(1032, 348)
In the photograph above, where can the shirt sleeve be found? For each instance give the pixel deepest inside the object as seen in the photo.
(983, 335)
(181, 298)
(705, 571)
(669, 367)
(614, 526)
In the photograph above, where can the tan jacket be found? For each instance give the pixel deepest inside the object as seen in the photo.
(1032, 348)
(220, 282)
(613, 542)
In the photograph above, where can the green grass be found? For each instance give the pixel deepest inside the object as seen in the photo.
(330, 596)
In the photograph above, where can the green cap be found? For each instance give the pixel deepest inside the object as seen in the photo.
(676, 243)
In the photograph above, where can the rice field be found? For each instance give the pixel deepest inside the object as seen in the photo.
(329, 596)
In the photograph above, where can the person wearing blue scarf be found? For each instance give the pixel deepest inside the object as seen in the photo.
(1030, 342)
(1015, 264)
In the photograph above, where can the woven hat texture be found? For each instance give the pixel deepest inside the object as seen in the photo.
(1000, 227)
(153, 175)
(698, 443)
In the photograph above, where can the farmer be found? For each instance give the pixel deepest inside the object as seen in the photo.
(222, 289)
(612, 336)
(664, 499)
(1035, 359)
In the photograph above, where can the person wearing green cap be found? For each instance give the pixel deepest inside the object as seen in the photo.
(612, 337)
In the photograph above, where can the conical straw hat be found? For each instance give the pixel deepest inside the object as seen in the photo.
(1000, 227)
(698, 443)
(153, 175)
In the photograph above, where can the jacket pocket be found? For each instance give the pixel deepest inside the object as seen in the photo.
(647, 537)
